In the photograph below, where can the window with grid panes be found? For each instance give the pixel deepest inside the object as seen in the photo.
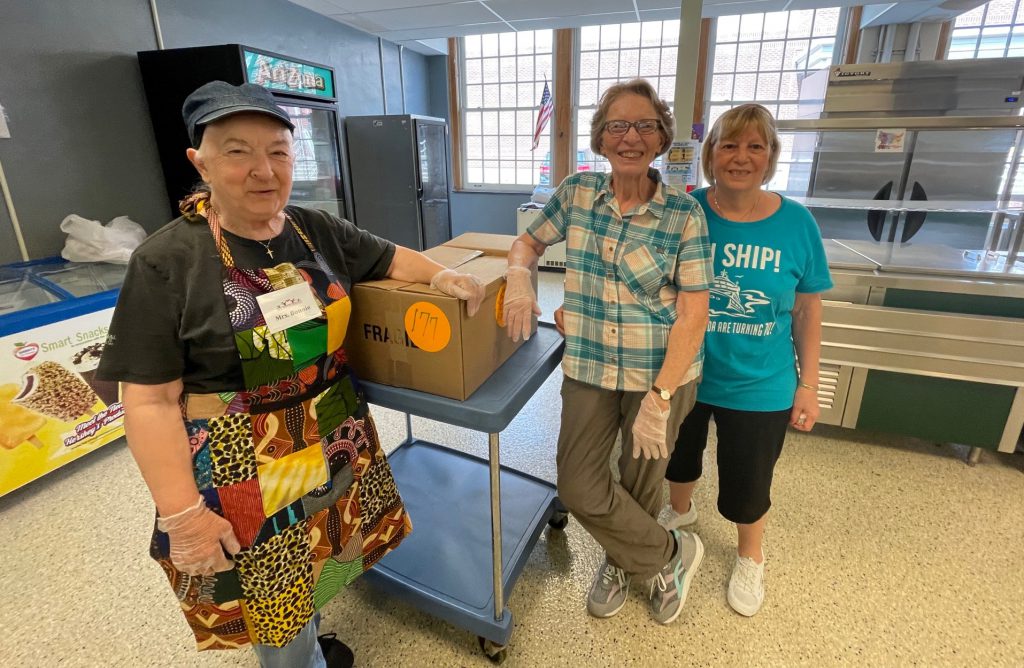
(503, 79)
(993, 30)
(609, 54)
(764, 58)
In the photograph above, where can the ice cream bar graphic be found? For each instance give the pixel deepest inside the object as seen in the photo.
(56, 392)
(17, 424)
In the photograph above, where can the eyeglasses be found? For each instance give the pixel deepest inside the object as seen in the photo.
(646, 126)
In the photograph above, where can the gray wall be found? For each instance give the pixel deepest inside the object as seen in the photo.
(81, 141)
(81, 137)
(437, 78)
(418, 98)
(8, 242)
(486, 212)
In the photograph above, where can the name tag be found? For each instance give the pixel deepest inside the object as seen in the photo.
(289, 306)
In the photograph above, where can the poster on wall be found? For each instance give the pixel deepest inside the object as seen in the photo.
(681, 164)
(52, 408)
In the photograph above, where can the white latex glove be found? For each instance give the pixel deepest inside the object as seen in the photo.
(520, 303)
(466, 287)
(649, 429)
(198, 539)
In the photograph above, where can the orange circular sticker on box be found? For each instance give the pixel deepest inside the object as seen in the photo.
(428, 327)
(499, 306)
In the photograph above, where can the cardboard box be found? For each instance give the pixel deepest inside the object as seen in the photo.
(490, 244)
(408, 335)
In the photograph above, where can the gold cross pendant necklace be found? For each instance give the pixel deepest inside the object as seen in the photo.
(266, 247)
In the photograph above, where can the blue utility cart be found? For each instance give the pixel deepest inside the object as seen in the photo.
(451, 566)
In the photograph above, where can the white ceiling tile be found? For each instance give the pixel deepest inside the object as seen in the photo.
(413, 19)
(710, 5)
(359, 6)
(433, 16)
(518, 10)
(731, 7)
(359, 21)
(441, 32)
(660, 14)
(644, 5)
(818, 4)
(575, 21)
(325, 7)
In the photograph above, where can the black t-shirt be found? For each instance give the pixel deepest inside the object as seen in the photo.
(171, 320)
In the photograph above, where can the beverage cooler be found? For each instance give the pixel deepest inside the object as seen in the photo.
(306, 91)
(399, 168)
(54, 317)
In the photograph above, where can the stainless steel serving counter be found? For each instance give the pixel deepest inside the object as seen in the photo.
(923, 267)
(933, 259)
(923, 333)
(923, 342)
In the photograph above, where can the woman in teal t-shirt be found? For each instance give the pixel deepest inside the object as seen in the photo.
(763, 339)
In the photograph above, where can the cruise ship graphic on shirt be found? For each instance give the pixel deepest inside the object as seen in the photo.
(728, 298)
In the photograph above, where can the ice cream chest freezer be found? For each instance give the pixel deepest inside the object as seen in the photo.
(54, 317)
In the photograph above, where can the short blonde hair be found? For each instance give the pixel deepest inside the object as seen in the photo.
(732, 124)
(644, 89)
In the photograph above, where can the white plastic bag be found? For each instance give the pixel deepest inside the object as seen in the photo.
(541, 194)
(91, 241)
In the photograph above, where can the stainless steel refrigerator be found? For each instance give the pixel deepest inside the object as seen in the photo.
(956, 165)
(399, 172)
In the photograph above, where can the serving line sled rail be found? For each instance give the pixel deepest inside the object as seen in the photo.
(451, 496)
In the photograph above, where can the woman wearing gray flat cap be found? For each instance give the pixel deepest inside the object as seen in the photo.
(271, 489)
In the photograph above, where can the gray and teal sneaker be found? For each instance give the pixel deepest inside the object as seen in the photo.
(609, 590)
(670, 519)
(670, 586)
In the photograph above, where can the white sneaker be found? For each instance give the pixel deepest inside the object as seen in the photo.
(670, 519)
(746, 586)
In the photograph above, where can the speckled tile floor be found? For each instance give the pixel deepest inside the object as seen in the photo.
(881, 552)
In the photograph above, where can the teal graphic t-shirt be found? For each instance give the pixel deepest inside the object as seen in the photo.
(749, 358)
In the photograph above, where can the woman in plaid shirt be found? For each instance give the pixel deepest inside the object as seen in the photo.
(636, 305)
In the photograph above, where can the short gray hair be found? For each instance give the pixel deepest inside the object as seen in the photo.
(644, 89)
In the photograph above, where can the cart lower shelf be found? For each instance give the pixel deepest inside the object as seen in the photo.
(445, 565)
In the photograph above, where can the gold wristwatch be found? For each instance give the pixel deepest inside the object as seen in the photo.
(662, 392)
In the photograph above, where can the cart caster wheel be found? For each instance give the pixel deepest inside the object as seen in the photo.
(559, 521)
(496, 653)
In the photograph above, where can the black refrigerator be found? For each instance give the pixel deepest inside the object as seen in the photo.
(306, 91)
(399, 168)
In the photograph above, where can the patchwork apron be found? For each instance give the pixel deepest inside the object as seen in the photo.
(293, 462)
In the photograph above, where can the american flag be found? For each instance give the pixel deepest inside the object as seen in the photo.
(543, 115)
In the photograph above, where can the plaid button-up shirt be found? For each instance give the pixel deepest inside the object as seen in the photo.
(622, 275)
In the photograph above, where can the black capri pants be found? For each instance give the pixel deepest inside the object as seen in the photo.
(749, 444)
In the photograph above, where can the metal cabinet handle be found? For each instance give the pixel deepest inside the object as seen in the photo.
(876, 217)
(915, 219)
